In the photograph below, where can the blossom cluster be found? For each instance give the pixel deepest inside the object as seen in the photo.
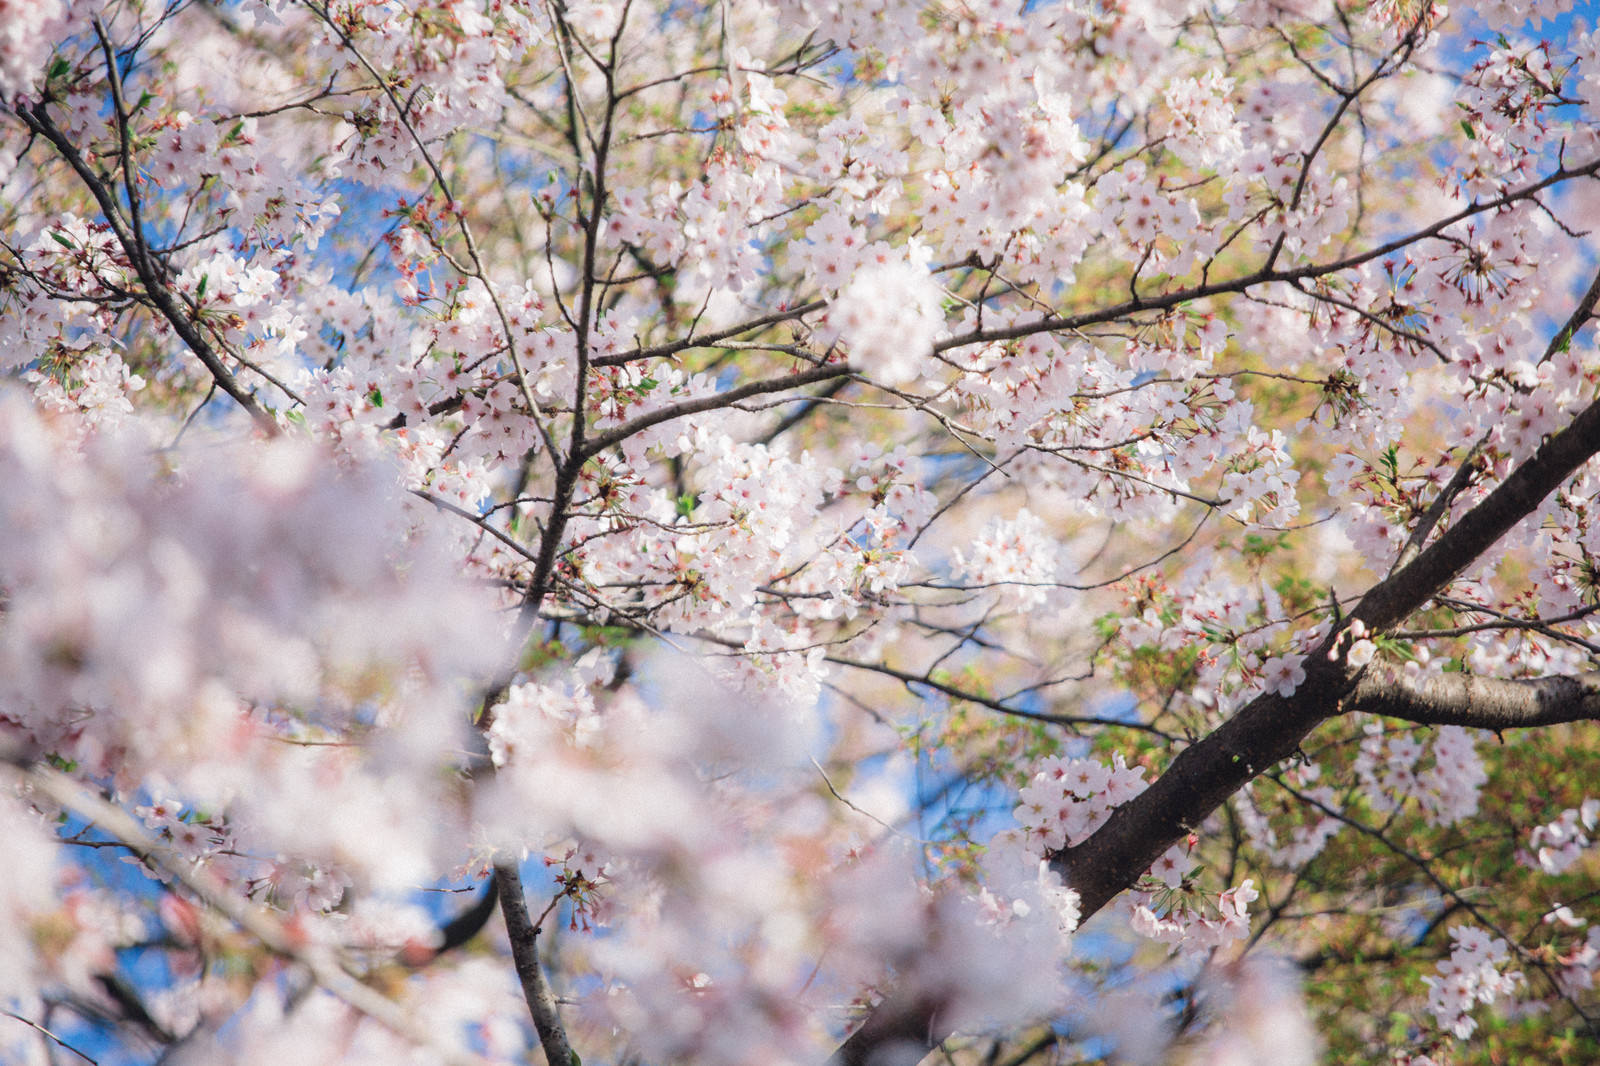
(1307, 839)
(1559, 844)
(1392, 770)
(1068, 798)
(1475, 973)
(1016, 553)
(888, 316)
(169, 665)
(30, 30)
(693, 831)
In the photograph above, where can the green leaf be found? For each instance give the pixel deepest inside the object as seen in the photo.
(375, 397)
(685, 504)
(200, 290)
(61, 239)
(1391, 462)
(57, 68)
(1398, 649)
(576, 1061)
(1466, 127)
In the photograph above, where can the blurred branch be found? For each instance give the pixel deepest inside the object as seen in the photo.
(274, 933)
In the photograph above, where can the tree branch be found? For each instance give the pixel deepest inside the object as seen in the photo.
(1271, 727)
(600, 443)
(704, 340)
(38, 121)
(1476, 702)
(525, 953)
(273, 933)
(1261, 276)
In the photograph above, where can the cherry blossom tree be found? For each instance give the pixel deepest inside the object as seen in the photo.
(769, 530)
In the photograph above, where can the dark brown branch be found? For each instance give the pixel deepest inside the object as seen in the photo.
(1388, 603)
(1261, 276)
(661, 351)
(1581, 316)
(999, 705)
(1387, 65)
(38, 120)
(621, 433)
(536, 990)
(1271, 727)
(1476, 702)
(1440, 505)
(48, 1035)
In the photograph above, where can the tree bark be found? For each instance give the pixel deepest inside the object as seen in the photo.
(1476, 702)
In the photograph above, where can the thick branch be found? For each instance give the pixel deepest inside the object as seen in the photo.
(1388, 603)
(1476, 702)
(1270, 727)
(1440, 506)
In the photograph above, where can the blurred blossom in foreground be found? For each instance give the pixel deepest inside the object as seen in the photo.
(244, 629)
(1260, 1018)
